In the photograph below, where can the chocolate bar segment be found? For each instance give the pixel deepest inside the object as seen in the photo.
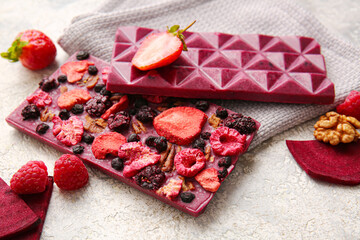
(287, 69)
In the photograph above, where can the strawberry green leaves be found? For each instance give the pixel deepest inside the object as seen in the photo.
(179, 33)
(14, 52)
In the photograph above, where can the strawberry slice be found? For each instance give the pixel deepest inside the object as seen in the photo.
(160, 49)
(107, 143)
(208, 179)
(180, 125)
(75, 70)
(76, 96)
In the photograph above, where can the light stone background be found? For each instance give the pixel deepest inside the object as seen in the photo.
(267, 196)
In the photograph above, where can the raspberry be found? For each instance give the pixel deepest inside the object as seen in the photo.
(105, 74)
(145, 114)
(227, 141)
(189, 162)
(351, 106)
(244, 125)
(69, 132)
(96, 106)
(40, 99)
(30, 178)
(137, 157)
(208, 179)
(107, 143)
(47, 84)
(70, 173)
(150, 177)
(119, 121)
(31, 111)
(68, 99)
(172, 189)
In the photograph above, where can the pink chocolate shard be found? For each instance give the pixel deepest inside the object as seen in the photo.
(335, 164)
(15, 215)
(254, 67)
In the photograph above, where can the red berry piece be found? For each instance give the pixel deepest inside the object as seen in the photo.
(33, 48)
(117, 107)
(351, 106)
(105, 74)
(40, 99)
(75, 70)
(208, 179)
(137, 156)
(107, 143)
(227, 141)
(160, 49)
(154, 99)
(180, 125)
(69, 132)
(172, 189)
(30, 178)
(70, 173)
(67, 100)
(189, 162)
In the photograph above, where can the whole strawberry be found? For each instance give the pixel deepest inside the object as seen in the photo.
(160, 49)
(70, 173)
(34, 49)
(30, 178)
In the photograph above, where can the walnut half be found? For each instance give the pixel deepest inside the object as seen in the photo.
(334, 128)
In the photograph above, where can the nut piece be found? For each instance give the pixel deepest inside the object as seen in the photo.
(94, 125)
(138, 127)
(169, 162)
(46, 115)
(214, 121)
(334, 128)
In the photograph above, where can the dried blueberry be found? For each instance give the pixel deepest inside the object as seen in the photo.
(244, 125)
(160, 144)
(202, 105)
(225, 162)
(187, 197)
(222, 173)
(42, 128)
(145, 114)
(78, 149)
(139, 102)
(150, 141)
(98, 87)
(87, 138)
(77, 109)
(221, 113)
(96, 106)
(119, 121)
(117, 163)
(31, 111)
(199, 144)
(62, 78)
(132, 111)
(150, 177)
(82, 55)
(47, 84)
(105, 92)
(205, 135)
(92, 70)
(133, 138)
(64, 114)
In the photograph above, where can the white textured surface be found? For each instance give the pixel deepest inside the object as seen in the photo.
(268, 196)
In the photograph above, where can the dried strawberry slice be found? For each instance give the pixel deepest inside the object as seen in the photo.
(189, 162)
(40, 99)
(172, 189)
(117, 107)
(336, 164)
(107, 143)
(67, 100)
(227, 141)
(69, 132)
(75, 70)
(105, 74)
(208, 179)
(137, 157)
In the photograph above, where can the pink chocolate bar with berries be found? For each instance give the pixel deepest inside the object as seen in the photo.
(134, 138)
(287, 69)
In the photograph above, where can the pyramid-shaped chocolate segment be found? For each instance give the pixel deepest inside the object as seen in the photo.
(15, 214)
(219, 55)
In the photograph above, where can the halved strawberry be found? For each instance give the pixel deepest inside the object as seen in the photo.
(208, 179)
(107, 143)
(180, 125)
(172, 189)
(69, 132)
(75, 70)
(160, 49)
(76, 96)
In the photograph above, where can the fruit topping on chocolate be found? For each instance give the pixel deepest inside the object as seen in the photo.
(225, 162)
(221, 113)
(222, 173)
(139, 102)
(150, 177)
(40, 99)
(199, 144)
(119, 121)
(227, 141)
(187, 197)
(189, 162)
(160, 143)
(68, 132)
(82, 55)
(150, 141)
(42, 128)
(107, 143)
(75, 70)
(172, 189)
(244, 125)
(87, 138)
(208, 179)
(30, 111)
(145, 114)
(76, 96)
(92, 70)
(98, 87)
(48, 84)
(62, 78)
(121, 105)
(205, 135)
(77, 109)
(97, 105)
(105, 92)
(78, 149)
(64, 114)
(117, 163)
(202, 105)
(133, 138)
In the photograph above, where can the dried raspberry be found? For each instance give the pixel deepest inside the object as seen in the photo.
(107, 143)
(172, 189)
(96, 106)
(69, 132)
(150, 177)
(119, 121)
(105, 74)
(145, 114)
(209, 179)
(47, 84)
(351, 106)
(30, 178)
(70, 173)
(68, 99)
(40, 99)
(189, 162)
(244, 125)
(226, 141)
(31, 111)
(137, 157)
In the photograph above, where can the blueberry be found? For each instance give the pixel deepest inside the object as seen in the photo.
(145, 114)
(205, 135)
(225, 162)
(222, 173)
(77, 109)
(199, 144)
(139, 102)
(132, 111)
(160, 144)
(117, 164)
(78, 149)
(42, 128)
(82, 55)
(87, 138)
(92, 70)
(31, 111)
(105, 92)
(64, 114)
(62, 78)
(187, 197)
(202, 105)
(98, 87)
(150, 141)
(48, 84)
(133, 138)
(221, 113)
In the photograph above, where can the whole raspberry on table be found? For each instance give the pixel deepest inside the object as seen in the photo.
(351, 106)
(30, 178)
(70, 172)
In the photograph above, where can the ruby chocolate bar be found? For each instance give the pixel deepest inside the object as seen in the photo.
(176, 150)
(287, 69)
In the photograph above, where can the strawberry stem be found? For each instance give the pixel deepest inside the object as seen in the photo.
(183, 30)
